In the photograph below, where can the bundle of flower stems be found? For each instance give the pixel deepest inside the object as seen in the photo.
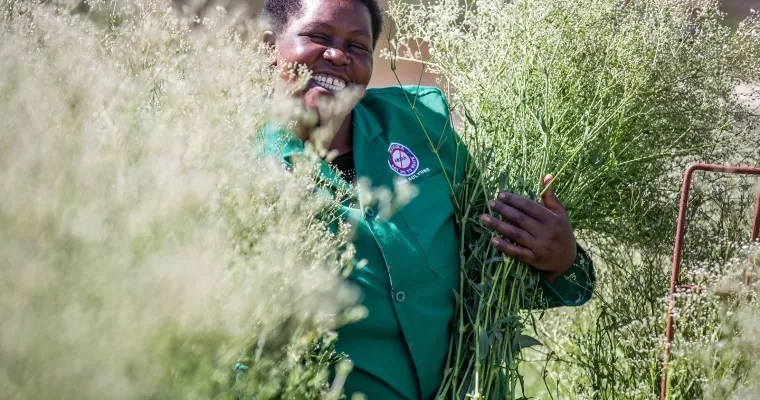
(497, 292)
(495, 289)
(607, 96)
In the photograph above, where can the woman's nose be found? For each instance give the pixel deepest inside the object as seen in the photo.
(336, 56)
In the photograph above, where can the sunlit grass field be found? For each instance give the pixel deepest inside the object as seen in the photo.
(148, 250)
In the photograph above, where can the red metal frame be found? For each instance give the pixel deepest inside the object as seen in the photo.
(755, 234)
(677, 252)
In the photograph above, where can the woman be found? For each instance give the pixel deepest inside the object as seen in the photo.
(399, 350)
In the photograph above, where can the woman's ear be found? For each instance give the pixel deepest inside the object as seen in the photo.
(268, 37)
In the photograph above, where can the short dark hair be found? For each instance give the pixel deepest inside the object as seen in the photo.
(279, 12)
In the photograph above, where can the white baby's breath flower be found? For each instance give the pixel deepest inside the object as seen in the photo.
(138, 233)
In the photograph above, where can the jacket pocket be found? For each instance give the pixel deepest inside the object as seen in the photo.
(430, 217)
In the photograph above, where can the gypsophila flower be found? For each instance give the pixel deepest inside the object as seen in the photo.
(144, 249)
(547, 86)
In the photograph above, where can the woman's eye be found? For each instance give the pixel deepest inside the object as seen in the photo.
(359, 46)
(318, 37)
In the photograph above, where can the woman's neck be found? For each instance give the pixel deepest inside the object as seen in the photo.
(343, 141)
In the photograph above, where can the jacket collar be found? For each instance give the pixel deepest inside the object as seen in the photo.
(280, 141)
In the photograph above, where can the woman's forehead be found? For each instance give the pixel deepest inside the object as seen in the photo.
(346, 15)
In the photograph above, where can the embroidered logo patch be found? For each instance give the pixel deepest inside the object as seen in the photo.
(402, 160)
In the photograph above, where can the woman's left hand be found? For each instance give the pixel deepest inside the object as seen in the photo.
(542, 235)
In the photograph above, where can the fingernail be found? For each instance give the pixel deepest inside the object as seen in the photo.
(495, 242)
(492, 204)
(502, 196)
(486, 218)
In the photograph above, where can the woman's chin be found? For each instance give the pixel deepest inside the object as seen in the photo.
(312, 99)
(326, 108)
(316, 95)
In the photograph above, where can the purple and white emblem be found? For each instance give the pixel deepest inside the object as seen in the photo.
(402, 160)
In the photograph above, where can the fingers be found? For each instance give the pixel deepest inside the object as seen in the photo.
(551, 205)
(549, 199)
(548, 180)
(514, 233)
(528, 207)
(520, 253)
(515, 216)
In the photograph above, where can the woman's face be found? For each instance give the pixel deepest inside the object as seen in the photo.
(333, 38)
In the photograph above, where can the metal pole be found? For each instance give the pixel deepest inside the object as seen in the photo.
(678, 250)
(674, 272)
(754, 235)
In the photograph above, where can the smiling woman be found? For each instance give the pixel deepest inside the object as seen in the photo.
(407, 260)
(338, 54)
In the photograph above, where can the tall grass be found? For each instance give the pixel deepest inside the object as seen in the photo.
(613, 347)
(614, 98)
(143, 251)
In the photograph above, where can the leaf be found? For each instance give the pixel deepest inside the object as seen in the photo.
(503, 181)
(514, 275)
(481, 287)
(542, 123)
(499, 337)
(594, 157)
(494, 260)
(469, 118)
(487, 159)
(484, 344)
(457, 297)
(524, 341)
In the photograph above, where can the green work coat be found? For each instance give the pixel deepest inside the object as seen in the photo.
(412, 255)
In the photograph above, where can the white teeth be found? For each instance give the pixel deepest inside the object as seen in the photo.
(329, 82)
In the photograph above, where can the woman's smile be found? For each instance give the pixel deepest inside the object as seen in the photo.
(331, 83)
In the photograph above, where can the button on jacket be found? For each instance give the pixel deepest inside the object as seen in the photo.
(412, 255)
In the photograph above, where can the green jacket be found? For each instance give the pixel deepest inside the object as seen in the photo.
(412, 256)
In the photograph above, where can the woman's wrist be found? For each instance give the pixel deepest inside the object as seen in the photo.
(552, 275)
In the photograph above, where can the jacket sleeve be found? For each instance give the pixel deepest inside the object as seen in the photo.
(573, 288)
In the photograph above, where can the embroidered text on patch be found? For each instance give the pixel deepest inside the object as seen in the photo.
(402, 160)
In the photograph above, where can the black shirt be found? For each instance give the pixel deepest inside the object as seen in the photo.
(344, 163)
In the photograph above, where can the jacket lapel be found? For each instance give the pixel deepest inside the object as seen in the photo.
(370, 149)
(282, 143)
(371, 153)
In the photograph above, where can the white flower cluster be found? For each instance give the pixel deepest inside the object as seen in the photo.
(619, 97)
